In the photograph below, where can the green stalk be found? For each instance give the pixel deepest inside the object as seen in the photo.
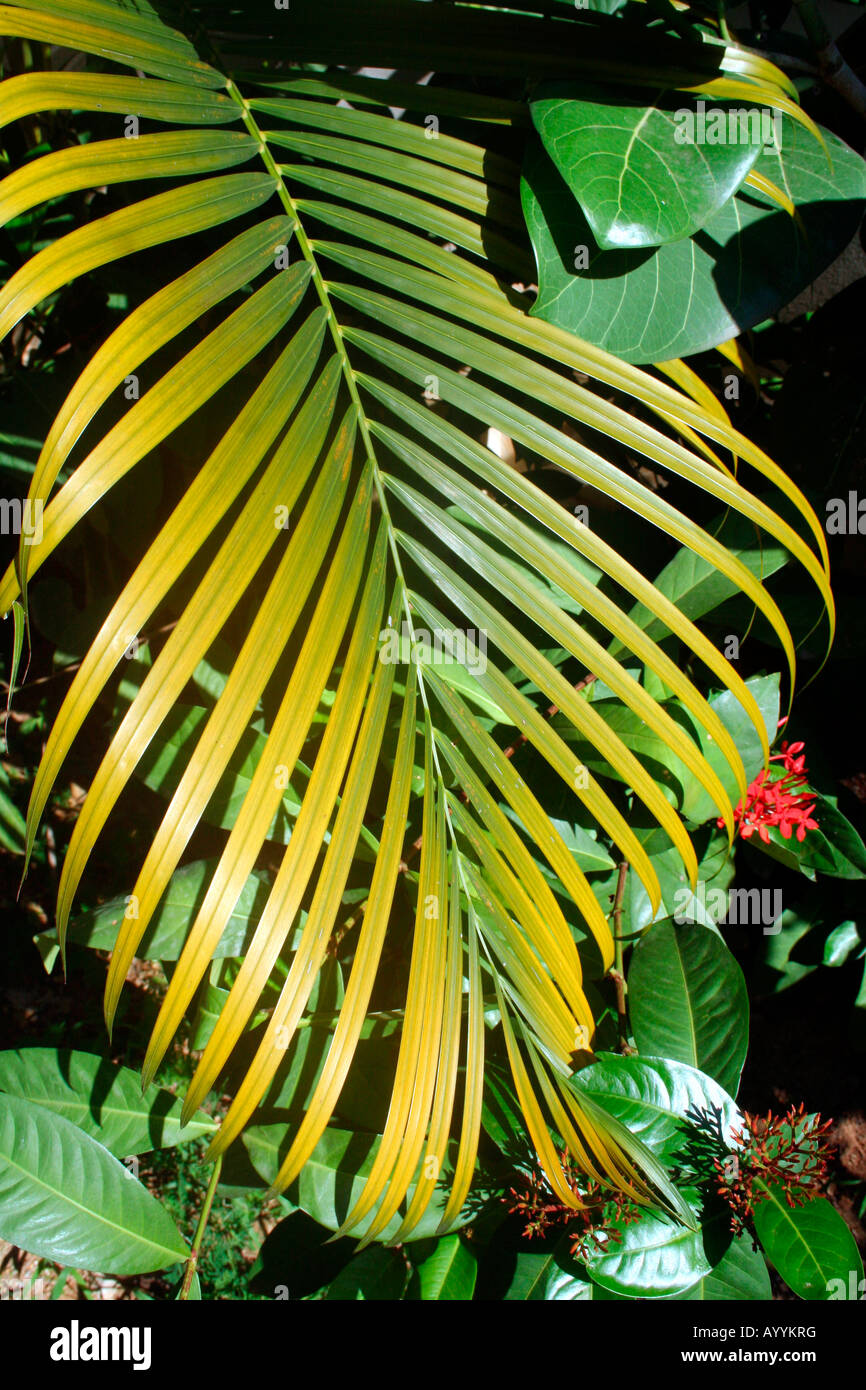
(192, 1262)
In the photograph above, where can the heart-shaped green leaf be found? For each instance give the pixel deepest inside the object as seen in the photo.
(638, 178)
(65, 1197)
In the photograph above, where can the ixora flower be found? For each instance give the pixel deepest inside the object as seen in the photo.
(590, 1227)
(785, 801)
(791, 1152)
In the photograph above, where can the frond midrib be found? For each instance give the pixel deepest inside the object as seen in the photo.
(349, 377)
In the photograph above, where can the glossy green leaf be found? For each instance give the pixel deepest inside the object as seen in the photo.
(167, 930)
(655, 1099)
(705, 904)
(835, 848)
(588, 852)
(550, 1276)
(334, 1177)
(697, 587)
(376, 1274)
(447, 1274)
(688, 1002)
(638, 181)
(656, 1258)
(689, 295)
(64, 1197)
(683, 789)
(740, 1274)
(103, 1100)
(841, 942)
(811, 1246)
(297, 1258)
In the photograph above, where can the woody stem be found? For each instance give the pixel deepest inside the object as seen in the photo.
(617, 974)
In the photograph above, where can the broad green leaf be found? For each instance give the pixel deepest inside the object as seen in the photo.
(638, 181)
(463, 681)
(375, 1274)
(696, 805)
(740, 1274)
(334, 1176)
(785, 962)
(532, 1272)
(705, 904)
(162, 767)
(209, 1006)
(811, 1246)
(298, 1256)
(550, 1276)
(689, 295)
(167, 930)
(671, 773)
(447, 1274)
(588, 852)
(697, 587)
(103, 1100)
(655, 1098)
(841, 942)
(64, 1197)
(656, 1258)
(835, 848)
(687, 1000)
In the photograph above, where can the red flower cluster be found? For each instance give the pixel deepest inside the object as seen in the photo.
(790, 1152)
(590, 1227)
(784, 801)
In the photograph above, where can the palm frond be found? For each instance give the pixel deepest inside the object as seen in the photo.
(404, 256)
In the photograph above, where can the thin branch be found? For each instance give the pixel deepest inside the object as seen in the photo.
(617, 972)
(832, 66)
